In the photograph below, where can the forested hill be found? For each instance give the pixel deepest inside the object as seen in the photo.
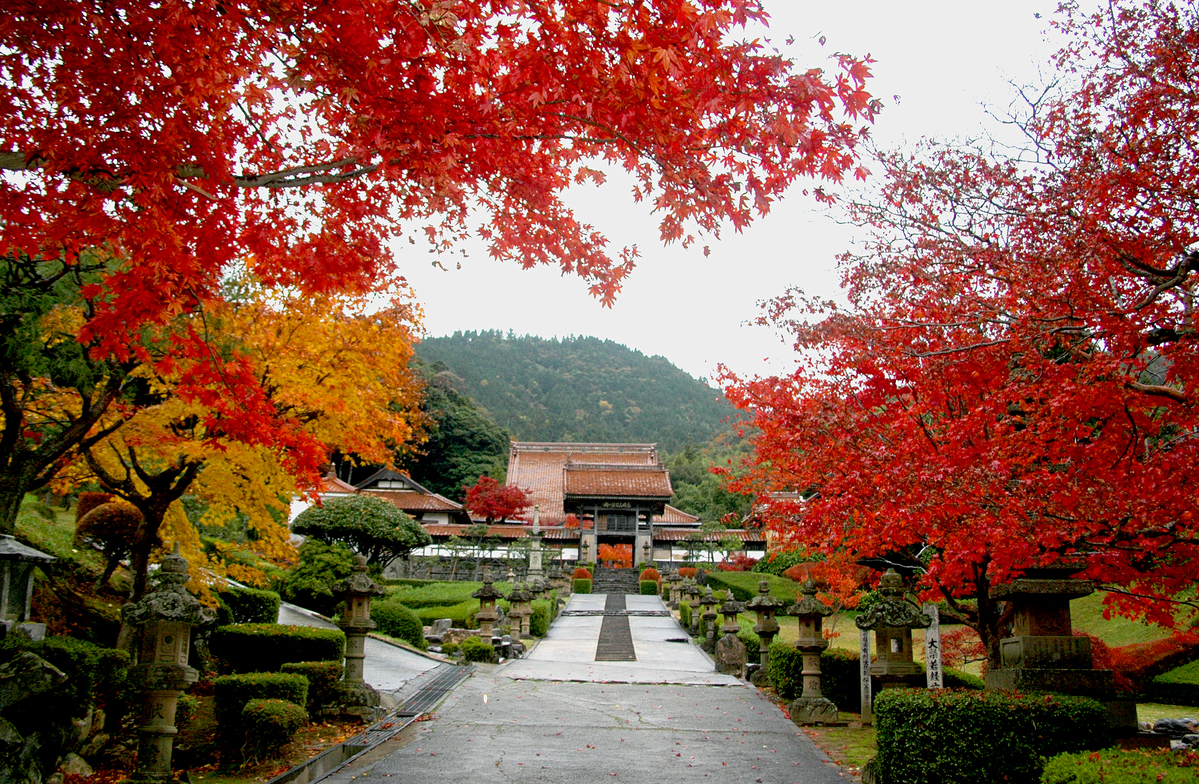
(580, 389)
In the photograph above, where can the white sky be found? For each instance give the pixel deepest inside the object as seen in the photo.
(944, 59)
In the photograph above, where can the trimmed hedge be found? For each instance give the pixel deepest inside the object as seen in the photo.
(270, 725)
(475, 650)
(685, 615)
(462, 614)
(581, 585)
(977, 737)
(1179, 686)
(649, 587)
(265, 647)
(839, 675)
(744, 585)
(247, 605)
(323, 679)
(650, 573)
(396, 620)
(434, 594)
(539, 624)
(1117, 766)
(581, 573)
(95, 676)
(232, 692)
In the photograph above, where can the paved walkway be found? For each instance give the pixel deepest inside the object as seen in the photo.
(559, 716)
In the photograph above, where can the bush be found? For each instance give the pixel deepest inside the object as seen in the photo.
(581, 585)
(95, 675)
(323, 679)
(89, 501)
(976, 737)
(265, 647)
(650, 573)
(112, 529)
(434, 594)
(461, 615)
(449, 648)
(685, 615)
(247, 605)
(269, 725)
(778, 562)
(744, 585)
(185, 710)
(581, 573)
(687, 571)
(475, 650)
(1116, 766)
(395, 620)
(232, 692)
(370, 525)
(309, 583)
(539, 624)
(1177, 687)
(649, 588)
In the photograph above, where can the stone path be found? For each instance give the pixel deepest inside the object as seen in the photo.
(559, 716)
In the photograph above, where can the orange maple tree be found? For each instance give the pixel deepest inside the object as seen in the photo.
(303, 139)
(1014, 379)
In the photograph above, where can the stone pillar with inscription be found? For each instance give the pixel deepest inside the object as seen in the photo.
(1043, 654)
(811, 707)
(166, 616)
(934, 674)
(535, 570)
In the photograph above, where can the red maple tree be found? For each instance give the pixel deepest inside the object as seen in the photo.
(495, 502)
(173, 141)
(1014, 379)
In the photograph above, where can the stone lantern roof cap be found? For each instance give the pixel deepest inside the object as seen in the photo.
(12, 550)
(808, 604)
(893, 610)
(764, 601)
(488, 591)
(359, 582)
(168, 600)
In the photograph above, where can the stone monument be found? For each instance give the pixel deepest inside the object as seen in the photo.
(358, 697)
(811, 707)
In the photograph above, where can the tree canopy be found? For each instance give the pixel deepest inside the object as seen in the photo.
(1014, 379)
(371, 526)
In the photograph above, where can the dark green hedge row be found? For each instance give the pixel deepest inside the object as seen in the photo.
(247, 605)
(324, 677)
(1117, 766)
(582, 585)
(232, 692)
(840, 678)
(978, 737)
(649, 587)
(685, 614)
(265, 647)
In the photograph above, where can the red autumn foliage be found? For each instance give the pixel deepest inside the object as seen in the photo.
(581, 573)
(489, 499)
(737, 562)
(1142, 661)
(650, 573)
(1013, 377)
(961, 645)
(687, 571)
(619, 556)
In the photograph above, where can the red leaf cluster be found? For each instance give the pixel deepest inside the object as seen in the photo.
(489, 499)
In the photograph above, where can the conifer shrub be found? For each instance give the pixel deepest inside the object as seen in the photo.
(951, 736)
(395, 620)
(265, 647)
(539, 623)
(581, 585)
(475, 650)
(649, 588)
(310, 582)
(323, 679)
(269, 725)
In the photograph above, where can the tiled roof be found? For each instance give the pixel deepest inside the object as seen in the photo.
(410, 501)
(331, 484)
(673, 516)
(679, 534)
(538, 468)
(616, 481)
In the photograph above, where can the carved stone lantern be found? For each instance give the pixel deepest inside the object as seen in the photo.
(519, 611)
(486, 615)
(892, 620)
(17, 562)
(765, 606)
(356, 592)
(165, 615)
(811, 707)
(674, 580)
(710, 615)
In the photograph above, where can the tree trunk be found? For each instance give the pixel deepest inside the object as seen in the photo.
(11, 494)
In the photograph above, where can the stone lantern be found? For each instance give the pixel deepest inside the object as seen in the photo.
(811, 707)
(730, 653)
(765, 606)
(520, 611)
(356, 591)
(17, 562)
(892, 620)
(486, 615)
(710, 615)
(165, 615)
(674, 579)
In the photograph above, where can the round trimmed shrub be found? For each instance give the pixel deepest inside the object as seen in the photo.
(395, 620)
(650, 573)
(581, 573)
(232, 692)
(247, 605)
(648, 588)
(270, 725)
(89, 501)
(581, 585)
(475, 650)
(323, 679)
(539, 624)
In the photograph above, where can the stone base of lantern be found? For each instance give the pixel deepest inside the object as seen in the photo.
(359, 701)
(27, 629)
(813, 710)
